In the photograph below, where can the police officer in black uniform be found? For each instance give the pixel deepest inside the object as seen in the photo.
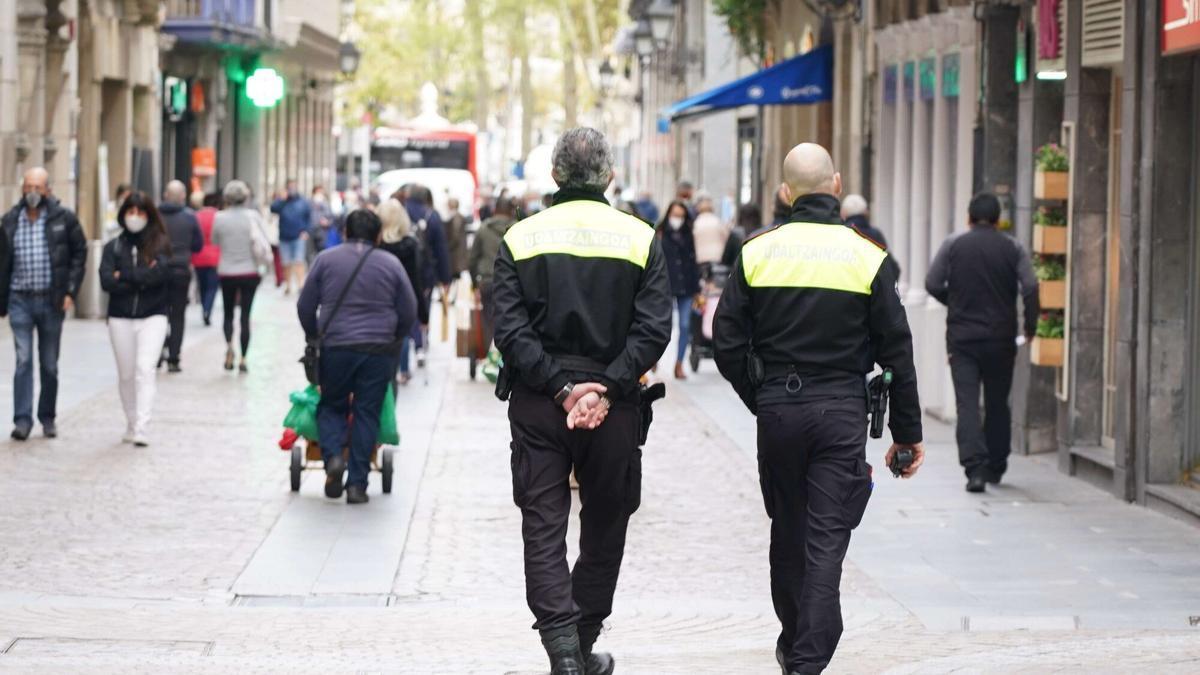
(583, 309)
(809, 309)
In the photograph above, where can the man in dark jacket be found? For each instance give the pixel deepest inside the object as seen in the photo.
(482, 262)
(583, 309)
(977, 275)
(855, 215)
(295, 218)
(183, 230)
(42, 255)
(432, 232)
(359, 345)
(456, 239)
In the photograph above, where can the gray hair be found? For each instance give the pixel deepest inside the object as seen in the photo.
(854, 205)
(236, 193)
(176, 192)
(582, 160)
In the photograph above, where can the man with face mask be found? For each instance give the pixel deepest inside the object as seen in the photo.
(42, 255)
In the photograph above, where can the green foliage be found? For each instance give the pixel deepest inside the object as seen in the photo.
(1050, 216)
(1050, 325)
(1049, 268)
(745, 20)
(1052, 157)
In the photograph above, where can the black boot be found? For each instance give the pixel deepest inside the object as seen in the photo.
(594, 663)
(562, 646)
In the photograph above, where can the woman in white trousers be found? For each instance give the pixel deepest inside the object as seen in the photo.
(133, 269)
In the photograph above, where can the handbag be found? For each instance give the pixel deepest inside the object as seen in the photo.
(312, 349)
(260, 245)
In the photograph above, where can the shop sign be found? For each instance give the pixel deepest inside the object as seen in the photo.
(889, 84)
(910, 84)
(950, 67)
(204, 162)
(1181, 26)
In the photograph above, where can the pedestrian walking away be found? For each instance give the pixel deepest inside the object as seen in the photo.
(399, 240)
(809, 307)
(583, 309)
(679, 250)
(135, 271)
(205, 262)
(855, 215)
(978, 275)
(456, 238)
(482, 263)
(355, 308)
(42, 256)
(295, 219)
(710, 235)
(245, 250)
(186, 239)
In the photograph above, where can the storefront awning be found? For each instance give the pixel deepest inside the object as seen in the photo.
(801, 80)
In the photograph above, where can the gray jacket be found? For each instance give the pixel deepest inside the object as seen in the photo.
(233, 233)
(379, 309)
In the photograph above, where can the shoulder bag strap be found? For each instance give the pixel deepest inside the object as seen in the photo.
(345, 291)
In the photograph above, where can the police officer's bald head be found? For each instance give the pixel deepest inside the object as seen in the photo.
(808, 169)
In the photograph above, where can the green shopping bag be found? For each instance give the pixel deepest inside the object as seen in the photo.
(388, 435)
(493, 364)
(302, 418)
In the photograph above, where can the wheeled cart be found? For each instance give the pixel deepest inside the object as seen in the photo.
(307, 455)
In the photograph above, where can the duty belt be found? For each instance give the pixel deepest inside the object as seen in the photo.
(797, 379)
(580, 363)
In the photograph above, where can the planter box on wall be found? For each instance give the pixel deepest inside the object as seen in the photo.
(1052, 294)
(1050, 240)
(1050, 184)
(1046, 352)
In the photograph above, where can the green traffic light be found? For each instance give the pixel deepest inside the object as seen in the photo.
(264, 87)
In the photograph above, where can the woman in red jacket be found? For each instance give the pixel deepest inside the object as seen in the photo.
(205, 262)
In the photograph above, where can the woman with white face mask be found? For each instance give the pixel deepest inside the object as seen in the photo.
(133, 269)
(679, 248)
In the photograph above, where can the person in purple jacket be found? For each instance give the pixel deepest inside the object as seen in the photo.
(359, 345)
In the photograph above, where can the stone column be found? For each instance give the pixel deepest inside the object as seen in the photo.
(31, 110)
(10, 183)
(968, 108)
(901, 164)
(61, 91)
(919, 184)
(883, 130)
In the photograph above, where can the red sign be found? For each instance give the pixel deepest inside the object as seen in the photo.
(204, 162)
(1181, 26)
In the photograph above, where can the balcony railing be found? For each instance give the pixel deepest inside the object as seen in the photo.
(228, 12)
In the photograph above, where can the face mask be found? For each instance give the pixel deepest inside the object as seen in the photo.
(135, 224)
(33, 199)
(319, 199)
(675, 223)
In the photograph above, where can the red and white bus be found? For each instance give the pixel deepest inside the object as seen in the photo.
(398, 148)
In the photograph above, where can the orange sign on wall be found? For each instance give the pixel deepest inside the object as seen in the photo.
(1181, 26)
(204, 162)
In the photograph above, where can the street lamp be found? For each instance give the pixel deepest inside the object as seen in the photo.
(661, 15)
(348, 58)
(643, 38)
(606, 76)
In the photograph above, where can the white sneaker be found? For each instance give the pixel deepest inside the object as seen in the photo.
(128, 437)
(140, 440)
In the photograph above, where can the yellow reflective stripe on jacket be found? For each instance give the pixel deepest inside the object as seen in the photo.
(584, 229)
(812, 255)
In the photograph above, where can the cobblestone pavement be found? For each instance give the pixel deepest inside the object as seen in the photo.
(122, 559)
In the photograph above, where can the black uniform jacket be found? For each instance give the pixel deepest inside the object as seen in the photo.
(815, 295)
(581, 294)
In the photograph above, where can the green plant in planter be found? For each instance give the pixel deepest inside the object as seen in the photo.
(1050, 325)
(1052, 157)
(1049, 268)
(1050, 216)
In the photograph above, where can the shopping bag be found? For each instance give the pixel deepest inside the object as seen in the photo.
(388, 434)
(491, 367)
(302, 418)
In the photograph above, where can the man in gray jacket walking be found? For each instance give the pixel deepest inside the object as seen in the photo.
(360, 340)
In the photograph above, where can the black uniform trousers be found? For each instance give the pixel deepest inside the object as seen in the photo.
(608, 465)
(983, 445)
(816, 483)
(177, 296)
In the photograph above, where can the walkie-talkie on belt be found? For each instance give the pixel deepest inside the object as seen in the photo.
(878, 391)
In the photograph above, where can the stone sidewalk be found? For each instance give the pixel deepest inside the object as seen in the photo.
(123, 559)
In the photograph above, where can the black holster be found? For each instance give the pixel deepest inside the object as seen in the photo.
(504, 382)
(646, 398)
(756, 370)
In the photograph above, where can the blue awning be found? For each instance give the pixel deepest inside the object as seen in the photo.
(801, 80)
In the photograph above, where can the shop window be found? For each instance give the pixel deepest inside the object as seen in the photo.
(747, 161)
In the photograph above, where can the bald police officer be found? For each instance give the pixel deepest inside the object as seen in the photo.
(809, 309)
(583, 309)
